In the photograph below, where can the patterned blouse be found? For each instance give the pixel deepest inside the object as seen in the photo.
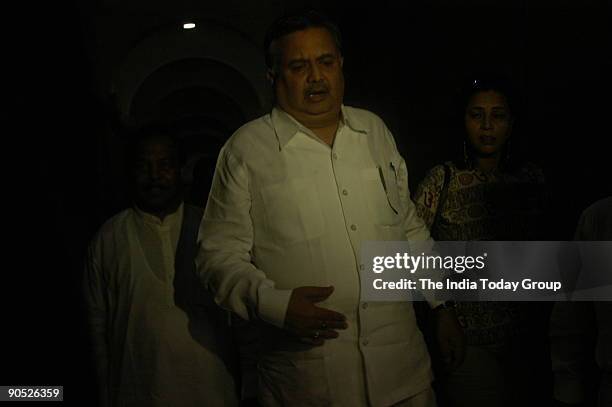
(484, 206)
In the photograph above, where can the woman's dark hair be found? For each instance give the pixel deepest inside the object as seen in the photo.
(291, 23)
(472, 86)
(483, 83)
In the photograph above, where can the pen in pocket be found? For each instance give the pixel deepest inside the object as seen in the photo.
(382, 178)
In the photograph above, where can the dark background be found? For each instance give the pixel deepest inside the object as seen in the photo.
(61, 161)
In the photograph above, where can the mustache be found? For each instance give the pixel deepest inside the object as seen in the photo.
(149, 187)
(316, 88)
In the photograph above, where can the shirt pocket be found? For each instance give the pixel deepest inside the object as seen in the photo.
(381, 193)
(293, 211)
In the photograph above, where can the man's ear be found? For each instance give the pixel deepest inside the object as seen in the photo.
(271, 76)
(341, 62)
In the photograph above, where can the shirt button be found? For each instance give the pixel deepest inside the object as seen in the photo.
(364, 305)
(335, 156)
(365, 342)
(353, 227)
(344, 192)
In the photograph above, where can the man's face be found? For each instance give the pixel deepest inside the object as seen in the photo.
(309, 83)
(488, 122)
(155, 175)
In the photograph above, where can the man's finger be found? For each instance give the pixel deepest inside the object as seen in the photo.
(452, 358)
(312, 341)
(327, 315)
(317, 324)
(446, 354)
(327, 334)
(315, 336)
(458, 356)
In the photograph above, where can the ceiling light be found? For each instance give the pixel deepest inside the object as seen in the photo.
(188, 26)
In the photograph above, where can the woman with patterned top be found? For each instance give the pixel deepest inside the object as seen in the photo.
(486, 196)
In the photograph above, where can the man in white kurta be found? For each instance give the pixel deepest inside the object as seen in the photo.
(573, 323)
(153, 347)
(293, 198)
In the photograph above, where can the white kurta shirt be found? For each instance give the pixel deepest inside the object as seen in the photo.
(287, 210)
(146, 352)
(573, 322)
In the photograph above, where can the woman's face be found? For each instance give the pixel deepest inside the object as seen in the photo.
(488, 122)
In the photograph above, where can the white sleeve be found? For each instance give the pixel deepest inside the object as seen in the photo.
(95, 296)
(225, 243)
(570, 325)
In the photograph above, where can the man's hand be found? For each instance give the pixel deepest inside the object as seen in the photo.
(451, 339)
(312, 324)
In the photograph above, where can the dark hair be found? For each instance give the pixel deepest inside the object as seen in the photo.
(488, 82)
(483, 83)
(291, 23)
(135, 138)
